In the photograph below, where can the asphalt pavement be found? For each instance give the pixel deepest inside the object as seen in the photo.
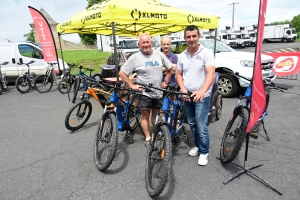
(41, 159)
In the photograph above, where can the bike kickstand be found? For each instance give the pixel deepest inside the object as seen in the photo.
(129, 137)
(268, 138)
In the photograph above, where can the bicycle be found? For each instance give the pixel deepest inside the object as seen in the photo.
(3, 81)
(165, 131)
(235, 131)
(44, 83)
(25, 82)
(65, 85)
(80, 113)
(80, 79)
(122, 57)
(120, 114)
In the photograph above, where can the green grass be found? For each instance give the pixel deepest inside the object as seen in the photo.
(92, 59)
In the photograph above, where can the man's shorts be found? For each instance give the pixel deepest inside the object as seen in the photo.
(146, 102)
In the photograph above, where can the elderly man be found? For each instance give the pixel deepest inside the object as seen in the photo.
(147, 64)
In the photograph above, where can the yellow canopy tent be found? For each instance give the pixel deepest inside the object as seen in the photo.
(133, 17)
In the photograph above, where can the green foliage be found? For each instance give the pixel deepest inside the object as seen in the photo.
(93, 59)
(279, 22)
(29, 36)
(92, 2)
(89, 38)
(296, 23)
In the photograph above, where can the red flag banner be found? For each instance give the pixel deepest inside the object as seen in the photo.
(45, 35)
(286, 63)
(258, 96)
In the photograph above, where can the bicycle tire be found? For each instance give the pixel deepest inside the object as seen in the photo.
(106, 140)
(134, 114)
(258, 124)
(76, 89)
(77, 116)
(219, 104)
(43, 83)
(23, 84)
(97, 77)
(234, 136)
(1, 86)
(159, 150)
(64, 87)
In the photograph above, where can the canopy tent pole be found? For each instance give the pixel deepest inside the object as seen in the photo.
(215, 45)
(62, 56)
(115, 50)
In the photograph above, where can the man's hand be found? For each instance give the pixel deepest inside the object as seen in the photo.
(198, 95)
(136, 87)
(164, 84)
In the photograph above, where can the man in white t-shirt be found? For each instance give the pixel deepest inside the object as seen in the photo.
(147, 65)
(195, 73)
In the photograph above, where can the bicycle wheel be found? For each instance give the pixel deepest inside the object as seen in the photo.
(219, 104)
(158, 162)
(234, 135)
(76, 89)
(78, 115)
(106, 140)
(23, 84)
(258, 124)
(97, 77)
(1, 86)
(134, 113)
(64, 86)
(43, 83)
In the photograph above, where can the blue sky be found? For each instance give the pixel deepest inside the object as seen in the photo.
(15, 17)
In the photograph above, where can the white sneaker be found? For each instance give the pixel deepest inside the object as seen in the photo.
(194, 151)
(203, 159)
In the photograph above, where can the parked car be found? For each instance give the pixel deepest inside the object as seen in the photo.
(22, 52)
(235, 61)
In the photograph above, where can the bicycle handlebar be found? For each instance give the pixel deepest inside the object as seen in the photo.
(170, 89)
(271, 84)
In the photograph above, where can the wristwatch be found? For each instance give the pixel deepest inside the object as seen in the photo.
(167, 82)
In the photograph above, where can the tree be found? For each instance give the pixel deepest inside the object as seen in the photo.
(29, 36)
(296, 23)
(279, 22)
(89, 38)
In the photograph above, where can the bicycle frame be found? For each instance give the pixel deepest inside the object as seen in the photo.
(117, 101)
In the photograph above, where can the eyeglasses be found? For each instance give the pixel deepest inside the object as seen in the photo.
(191, 36)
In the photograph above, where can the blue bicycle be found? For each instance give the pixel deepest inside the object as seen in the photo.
(235, 131)
(120, 114)
(80, 79)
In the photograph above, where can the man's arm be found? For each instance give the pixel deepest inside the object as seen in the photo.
(126, 79)
(210, 75)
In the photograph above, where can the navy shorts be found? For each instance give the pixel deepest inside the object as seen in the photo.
(146, 102)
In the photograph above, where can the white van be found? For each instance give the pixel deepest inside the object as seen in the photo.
(23, 52)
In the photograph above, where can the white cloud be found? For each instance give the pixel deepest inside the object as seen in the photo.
(15, 16)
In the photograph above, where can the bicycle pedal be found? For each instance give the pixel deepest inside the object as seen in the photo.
(183, 137)
(254, 135)
(129, 139)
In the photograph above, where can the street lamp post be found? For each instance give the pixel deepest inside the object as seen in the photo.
(233, 12)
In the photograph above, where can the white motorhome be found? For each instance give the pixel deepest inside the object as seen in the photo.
(208, 33)
(252, 31)
(22, 52)
(243, 37)
(281, 32)
(127, 44)
(227, 37)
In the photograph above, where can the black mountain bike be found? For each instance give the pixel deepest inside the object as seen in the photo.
(43, 83)
(235, 131)
(3, 81)
(25, 83)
